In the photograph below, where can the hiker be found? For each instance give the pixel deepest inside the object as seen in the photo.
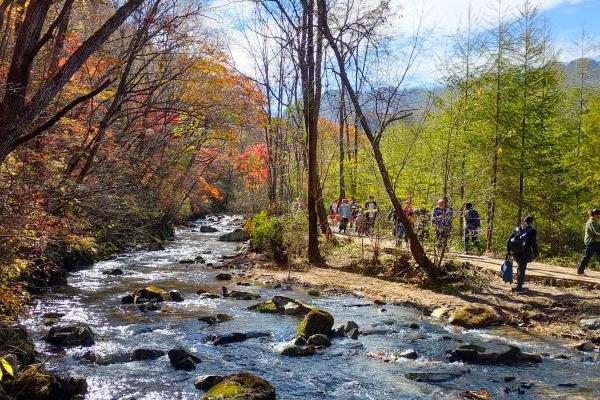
(370, 211)
(355, 208)
(345, 211)
(441, 219)
(359, 223)
(399, 230)
(591, 240)
(472, 224)
(334, 208)
(523, 247)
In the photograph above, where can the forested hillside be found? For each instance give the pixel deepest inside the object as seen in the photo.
(115, 122)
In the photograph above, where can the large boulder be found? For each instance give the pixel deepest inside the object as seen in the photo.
(492, 352)
(241, 386)
(152, 293)
(591, 324)
(181, 359)
(315, 322)
(238, 235)
(208, 229)
(282, 305)
(70, 335)
(205, 382)
(473, 316)
(33, 383)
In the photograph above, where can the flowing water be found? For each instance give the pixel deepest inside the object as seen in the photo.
(342, 371)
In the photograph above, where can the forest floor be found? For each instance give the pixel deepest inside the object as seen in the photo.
(544, 309)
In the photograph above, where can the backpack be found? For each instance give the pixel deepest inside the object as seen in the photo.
(506, 271)
(517, 245)
(472, 218)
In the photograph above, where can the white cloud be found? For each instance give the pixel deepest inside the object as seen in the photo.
(438, 18)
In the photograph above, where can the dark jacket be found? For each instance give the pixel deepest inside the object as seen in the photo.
(528, 235)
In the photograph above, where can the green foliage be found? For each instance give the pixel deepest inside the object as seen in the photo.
(266, 234)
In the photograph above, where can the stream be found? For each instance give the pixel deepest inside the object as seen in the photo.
(342, 371)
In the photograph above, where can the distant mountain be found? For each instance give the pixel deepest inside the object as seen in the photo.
(590, 67)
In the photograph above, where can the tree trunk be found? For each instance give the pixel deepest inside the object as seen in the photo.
(415, 246)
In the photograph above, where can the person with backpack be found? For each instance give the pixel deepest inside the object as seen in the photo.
(591, 240)
(523, 247)
(472, 225)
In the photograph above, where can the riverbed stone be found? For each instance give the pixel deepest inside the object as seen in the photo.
(205, 382)
(492, 352)
(152, 293)
(34, 383)
(176, 296)
(585, 346)
(409, 354)
(113, 271)
(199, 260)
(591, 324)
(183, 360)
(315, 322)
(215, 319)
(481, 394)
(155, 245)
(187, 261)
(229, 338)
(223, 276)
(79, 334)
(208, 229)
(299, 351)
(238, 235)
(241, 386)
(473, 316)
(239, 295)
(353, 334)
(440, 313)
(282, 305)
(319, 340)
(149, 306)
(146, 354)
(432, 377)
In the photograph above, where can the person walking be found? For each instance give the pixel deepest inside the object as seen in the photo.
(591, 240)
(345, 211)
(441, 219)
(523, 247)
(472, 224)
(370, 211)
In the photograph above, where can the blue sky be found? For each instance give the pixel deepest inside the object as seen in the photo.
(441, 19)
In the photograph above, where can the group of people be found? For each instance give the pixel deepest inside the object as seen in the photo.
(352, 215)
(522, 244)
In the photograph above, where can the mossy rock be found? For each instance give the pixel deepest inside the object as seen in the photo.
(242, 386)
(35, 383)
(313, 292)
(473, 316)
(153, 293)
(315, 322)
(282, 305)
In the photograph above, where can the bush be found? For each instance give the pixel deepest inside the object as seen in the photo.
(266, 235)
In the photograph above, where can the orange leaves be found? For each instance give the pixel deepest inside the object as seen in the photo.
(253, 165)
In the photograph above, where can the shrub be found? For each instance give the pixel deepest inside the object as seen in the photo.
(266, 235)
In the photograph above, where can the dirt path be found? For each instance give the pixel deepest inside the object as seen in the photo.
(536, 271)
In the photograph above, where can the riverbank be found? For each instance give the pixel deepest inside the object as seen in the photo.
(542, 310)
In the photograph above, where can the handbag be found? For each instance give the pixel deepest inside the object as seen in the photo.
(506, 271)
